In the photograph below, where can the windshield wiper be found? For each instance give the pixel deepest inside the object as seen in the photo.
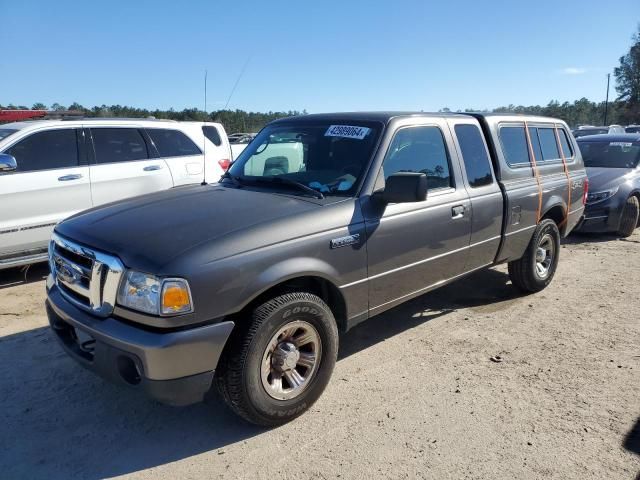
(291, 183)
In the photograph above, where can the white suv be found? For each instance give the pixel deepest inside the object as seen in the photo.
(51, 169)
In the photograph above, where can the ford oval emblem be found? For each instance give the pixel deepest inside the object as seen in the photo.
(66, 273)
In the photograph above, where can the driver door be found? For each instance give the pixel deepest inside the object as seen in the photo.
(414, 246)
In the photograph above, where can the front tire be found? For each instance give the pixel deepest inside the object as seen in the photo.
(535, 270)
(275, 367)
(630, 214)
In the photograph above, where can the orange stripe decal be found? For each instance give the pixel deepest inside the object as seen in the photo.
(535, 171)
(566, 172)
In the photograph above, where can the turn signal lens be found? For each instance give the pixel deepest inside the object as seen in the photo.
(176, 297)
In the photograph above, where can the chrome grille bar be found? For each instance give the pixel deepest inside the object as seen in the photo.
(102, 279)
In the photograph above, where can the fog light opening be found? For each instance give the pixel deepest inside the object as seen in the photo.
(129, 370)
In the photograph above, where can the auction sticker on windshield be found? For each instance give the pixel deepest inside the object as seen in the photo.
(347, 131)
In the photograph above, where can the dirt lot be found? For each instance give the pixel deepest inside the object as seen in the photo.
(414, 394)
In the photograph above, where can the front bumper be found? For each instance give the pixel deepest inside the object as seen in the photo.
(602, 217)
(175, 368)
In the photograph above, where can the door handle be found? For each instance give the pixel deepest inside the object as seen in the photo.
(66, 178)
(457, 211)
(151, 168)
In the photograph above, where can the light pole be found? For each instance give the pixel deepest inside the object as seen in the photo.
(606, 102)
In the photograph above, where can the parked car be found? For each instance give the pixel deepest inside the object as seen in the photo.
(614, 182)
(632, 129)
(584, 131)
(241, 137)
(239, 142)
(168, 293)
(51, 169)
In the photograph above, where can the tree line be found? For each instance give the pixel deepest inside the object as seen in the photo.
(233, 120)
(579, 112)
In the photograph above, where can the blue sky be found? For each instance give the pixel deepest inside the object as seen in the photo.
(319, 56)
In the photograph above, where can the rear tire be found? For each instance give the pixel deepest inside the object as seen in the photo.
(630, 215)
(535, 270)
(277, 365)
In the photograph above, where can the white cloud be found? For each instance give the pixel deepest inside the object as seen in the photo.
(573, 71)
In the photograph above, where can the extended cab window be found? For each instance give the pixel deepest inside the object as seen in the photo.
(118, 145)
(46, 150)
(419, 149)
(172, 143)
(565, 143)
(514, 145)
(474, 155)
(548, 144)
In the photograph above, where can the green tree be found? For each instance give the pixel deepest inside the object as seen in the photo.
(75, 106)
(628, 81)
(39, 106)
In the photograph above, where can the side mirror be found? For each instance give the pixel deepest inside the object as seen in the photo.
(405, 187)
(7, 163)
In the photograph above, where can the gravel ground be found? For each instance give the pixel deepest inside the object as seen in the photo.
(414, 394)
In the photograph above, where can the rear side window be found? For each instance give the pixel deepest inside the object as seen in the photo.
(514, 145)
(535, 143)
(113, 145)
(474, 154)
(213, 135)
(46, 151)
(565, 143)
(172, 143)
(548, 144)
(419, 149)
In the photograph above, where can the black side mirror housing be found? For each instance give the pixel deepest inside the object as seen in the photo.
(405, 187)
(7, 163)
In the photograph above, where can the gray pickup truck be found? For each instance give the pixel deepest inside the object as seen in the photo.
(322, 222)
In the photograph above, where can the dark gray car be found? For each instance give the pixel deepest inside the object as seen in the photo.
(613, 203)
(323, 222)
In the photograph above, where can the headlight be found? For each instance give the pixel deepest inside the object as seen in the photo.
(596, 197)
(150, 294)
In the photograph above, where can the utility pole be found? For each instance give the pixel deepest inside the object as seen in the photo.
(606, 102)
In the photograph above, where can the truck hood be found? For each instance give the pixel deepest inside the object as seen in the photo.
(601, 178)
(147, 232)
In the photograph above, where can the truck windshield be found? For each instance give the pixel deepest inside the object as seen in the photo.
(5, 132)
(328, 158)
(610, 154)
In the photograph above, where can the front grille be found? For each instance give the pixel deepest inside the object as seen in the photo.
(87, 278)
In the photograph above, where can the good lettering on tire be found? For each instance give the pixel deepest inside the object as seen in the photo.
(295, 310)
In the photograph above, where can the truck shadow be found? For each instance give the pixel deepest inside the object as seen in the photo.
(577, 238)
(632, 440)
(61, 421)
(486, 288)
(12, 277)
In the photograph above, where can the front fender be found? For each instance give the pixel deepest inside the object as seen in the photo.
(285, 270)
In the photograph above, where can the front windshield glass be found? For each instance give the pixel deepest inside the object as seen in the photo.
(328, 158)
(5, 132)
(610, 154)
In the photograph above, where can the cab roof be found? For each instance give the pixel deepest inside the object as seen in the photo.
(386, 116)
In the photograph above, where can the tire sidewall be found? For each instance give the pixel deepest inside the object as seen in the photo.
(546, 227)
(319, 316)
(630, 217)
